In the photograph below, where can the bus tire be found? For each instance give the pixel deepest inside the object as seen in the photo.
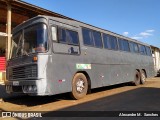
(79, 86)
(143, 77)
(137, 78)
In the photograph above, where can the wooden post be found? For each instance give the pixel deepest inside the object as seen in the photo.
(8, 31)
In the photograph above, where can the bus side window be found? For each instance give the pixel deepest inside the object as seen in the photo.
(142, 50)
(72, 37)
(62, 35)
(87, 37)
(123, 45)
(136, 48)
(97, 39)
(106, 41)
(148, 50)
(54, 33)
(133, 47)
(113, 42)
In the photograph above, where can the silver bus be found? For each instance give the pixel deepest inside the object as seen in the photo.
(52, 55)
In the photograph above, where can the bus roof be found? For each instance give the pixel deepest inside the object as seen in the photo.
(82, 24)
(77, 23)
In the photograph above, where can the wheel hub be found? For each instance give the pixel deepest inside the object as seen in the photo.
(143, 77)
(80, 86)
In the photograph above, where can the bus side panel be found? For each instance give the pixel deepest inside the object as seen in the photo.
(61, 72)
(148, 66)
(105, 75)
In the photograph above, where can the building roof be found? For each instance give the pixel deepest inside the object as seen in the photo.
(36, 9)
(21, 11)
(154, 47)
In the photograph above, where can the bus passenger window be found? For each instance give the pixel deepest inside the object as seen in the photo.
(148, 50)
(106, 41)
(123, 45)
(87, 37)
(133, 47)
(97, 39)
(62, 35)
(113, 42)
(136, 49)
(142, 50)
(72, 37)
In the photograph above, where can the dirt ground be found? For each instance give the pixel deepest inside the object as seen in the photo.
(123, 97)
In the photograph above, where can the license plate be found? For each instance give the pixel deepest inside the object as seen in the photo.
(15, 83)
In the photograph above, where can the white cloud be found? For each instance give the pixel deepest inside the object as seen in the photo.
(137, 37)
(125, 33)
(145, 34)
(150, 31)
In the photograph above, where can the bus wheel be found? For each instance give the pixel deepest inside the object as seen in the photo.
(79, 86)
(136, 78)
(143, 77)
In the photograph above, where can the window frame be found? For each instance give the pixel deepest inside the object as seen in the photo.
(47, 37)
(103, 35)
(56, 32)
(116, 46)
(67, 41)
(94, 39)
(109, 41)
(140, 49)
(124, 49)
(149, 48)
(134, 43)
(91, 37)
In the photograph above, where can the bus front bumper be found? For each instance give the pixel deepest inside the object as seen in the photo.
(31, 87)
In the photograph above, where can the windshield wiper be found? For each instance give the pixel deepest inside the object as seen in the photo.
(19, 48)
(25, 53)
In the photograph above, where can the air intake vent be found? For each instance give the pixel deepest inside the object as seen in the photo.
(25, 72)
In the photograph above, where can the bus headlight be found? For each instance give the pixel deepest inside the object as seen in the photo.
(35, 88)
(30, 88)
(25, 88)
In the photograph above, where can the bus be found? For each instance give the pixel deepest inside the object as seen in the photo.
(51, 55)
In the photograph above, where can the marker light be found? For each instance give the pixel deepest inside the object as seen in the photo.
(35, 59)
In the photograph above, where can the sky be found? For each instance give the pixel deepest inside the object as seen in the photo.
(137, 19)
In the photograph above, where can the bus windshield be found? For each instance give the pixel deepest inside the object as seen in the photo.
(32, 39)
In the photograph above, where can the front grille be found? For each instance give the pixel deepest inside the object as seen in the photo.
(25, 72)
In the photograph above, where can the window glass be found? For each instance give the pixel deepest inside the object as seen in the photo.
(131, 44)
(126, 45)
(15, 40)
(113, 42)
(87, 37)
(62, 35)
(136, 49)
(123, 44)
(133, 47)
(35, 39)
(97, 39)
(148, 50)
(72, 37)
(54, 33)
(110, 42)
(68, 36)
(142, 50)
(106, 41)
